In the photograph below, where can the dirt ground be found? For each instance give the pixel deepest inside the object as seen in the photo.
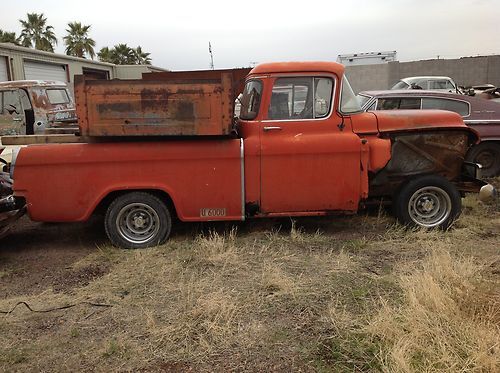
(315, 294)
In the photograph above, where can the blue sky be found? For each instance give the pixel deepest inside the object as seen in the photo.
(176, 33)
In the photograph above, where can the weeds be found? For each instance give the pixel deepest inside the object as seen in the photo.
(448, 321)
(360, 294)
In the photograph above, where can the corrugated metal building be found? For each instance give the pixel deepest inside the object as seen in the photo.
(20, 63)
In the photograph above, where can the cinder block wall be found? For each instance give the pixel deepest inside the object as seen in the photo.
(465, 71)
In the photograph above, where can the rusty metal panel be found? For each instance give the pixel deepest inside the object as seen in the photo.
(168, 107)
(426, 152)
(203, 76)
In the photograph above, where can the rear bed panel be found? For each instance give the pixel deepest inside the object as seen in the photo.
(155, 108)
(65, 182)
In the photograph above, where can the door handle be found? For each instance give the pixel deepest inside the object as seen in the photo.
(272, 128)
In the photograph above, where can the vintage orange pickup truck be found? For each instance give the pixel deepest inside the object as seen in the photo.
(300, 147)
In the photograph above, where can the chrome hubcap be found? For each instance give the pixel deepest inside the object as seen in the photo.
(137, 223)
(429, 206)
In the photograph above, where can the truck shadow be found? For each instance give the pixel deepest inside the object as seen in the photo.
(38, 256)
(29, 235)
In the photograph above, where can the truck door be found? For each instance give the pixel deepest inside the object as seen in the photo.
(12, 118)
(309, 160)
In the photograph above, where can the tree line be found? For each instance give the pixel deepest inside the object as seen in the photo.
(36, 33)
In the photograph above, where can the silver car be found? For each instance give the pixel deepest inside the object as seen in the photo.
(435, 83)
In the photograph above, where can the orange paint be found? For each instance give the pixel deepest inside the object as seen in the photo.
(294, 167)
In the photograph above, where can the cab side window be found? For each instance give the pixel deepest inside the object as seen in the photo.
(300, 98)
(10, 103)
(25, 100)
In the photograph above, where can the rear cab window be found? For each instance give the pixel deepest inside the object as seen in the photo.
(301, 98)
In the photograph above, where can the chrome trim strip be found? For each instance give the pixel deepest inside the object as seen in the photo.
(482, 121)
(242, 179)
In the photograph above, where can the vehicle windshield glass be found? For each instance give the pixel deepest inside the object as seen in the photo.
(250, 100)
(400, 85)
(348, 101)
(362, 99)
(57, 96)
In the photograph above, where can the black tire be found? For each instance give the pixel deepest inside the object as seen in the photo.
(137, 220)
(428, 201)
(487, 154)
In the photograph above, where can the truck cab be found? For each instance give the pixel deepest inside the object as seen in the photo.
(297, 142)
(310, 150)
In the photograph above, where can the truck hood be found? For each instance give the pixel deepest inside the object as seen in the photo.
(413, 120)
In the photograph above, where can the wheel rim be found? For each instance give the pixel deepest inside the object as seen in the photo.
(486, 159)
(137, 223)
(429, 206)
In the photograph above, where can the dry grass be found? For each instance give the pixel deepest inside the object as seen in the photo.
(357, 294)
(449, 320)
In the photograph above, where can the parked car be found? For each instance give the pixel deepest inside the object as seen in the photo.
(478, 113)
(30, 107)
(435, 83)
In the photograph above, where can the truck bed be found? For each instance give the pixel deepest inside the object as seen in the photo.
(65, 182)
(161, 104)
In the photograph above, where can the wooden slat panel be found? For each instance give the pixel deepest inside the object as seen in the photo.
(42, 139)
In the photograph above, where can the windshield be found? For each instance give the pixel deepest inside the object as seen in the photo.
(348, 101)
(362, 99)
(250, 101)
(400, 85)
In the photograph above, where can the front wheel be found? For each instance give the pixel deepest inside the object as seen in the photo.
(137, 220)
(428, 202)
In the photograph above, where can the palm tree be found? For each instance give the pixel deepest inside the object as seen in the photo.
(36, 32)
(104, 55)
(77, 41)
(8, 37)
(122, 54)
(141, 58)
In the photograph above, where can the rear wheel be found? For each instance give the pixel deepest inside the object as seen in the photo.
(137, 220)
(487, 154)
(428, 202)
